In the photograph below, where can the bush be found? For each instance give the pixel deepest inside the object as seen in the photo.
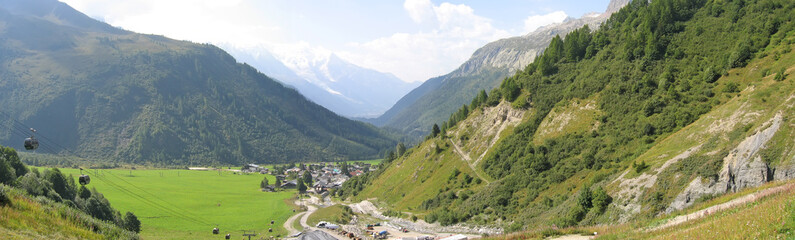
(131, 222)
(5, 200)
(430, 218)
(572, 218)
(640, 167)
(601, 199)
(83, 192)
(731, 87)
(780, 75)
(585, 197)
(7, 175)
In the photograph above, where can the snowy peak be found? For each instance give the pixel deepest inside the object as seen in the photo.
(327, 79)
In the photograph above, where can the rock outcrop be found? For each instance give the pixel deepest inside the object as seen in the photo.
(742, 168)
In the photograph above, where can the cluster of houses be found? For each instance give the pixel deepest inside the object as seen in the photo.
(325, 177)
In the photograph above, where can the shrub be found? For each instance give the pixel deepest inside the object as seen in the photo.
(83, 192)
(780, 75)
(601, 199)
(640, 167)
(731, 87)
(5, 200)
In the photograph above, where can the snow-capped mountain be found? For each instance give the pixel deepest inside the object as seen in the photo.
(326, 79)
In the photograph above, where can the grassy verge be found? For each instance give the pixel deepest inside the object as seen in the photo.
(338, 214)
(27, 218)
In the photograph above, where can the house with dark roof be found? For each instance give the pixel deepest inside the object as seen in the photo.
(290, 184)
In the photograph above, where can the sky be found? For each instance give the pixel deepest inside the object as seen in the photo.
(412, 39)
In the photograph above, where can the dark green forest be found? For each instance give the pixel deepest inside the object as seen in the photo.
(652, 67)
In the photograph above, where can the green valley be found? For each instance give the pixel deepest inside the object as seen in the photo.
(664, 119)
(188, 204)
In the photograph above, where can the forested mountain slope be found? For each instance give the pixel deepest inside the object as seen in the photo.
(669, 103)
(437, 98)
(105, 93)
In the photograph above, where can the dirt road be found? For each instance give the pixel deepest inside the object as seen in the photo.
(302, 216)
(730, 204)
(289, 223)
(573, 237)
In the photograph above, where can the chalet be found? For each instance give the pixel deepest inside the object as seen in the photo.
(324, 185)
(269, 188)
(250, 168)
(290, 184)
(295, 170)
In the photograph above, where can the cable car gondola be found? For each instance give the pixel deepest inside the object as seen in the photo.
(84, 179)
(31, 143)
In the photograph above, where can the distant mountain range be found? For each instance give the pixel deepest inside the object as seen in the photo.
(105, 93)
(326, 79)
(437, 98)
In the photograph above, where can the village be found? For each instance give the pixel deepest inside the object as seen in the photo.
(325, 179)
(320, 178)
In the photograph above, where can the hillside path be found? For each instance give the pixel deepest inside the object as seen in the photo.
(730, 204)
(468, 160)
(573, 237)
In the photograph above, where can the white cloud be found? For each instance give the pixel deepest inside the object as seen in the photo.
(446, 34)
(207, 21)
(534, 22)
(419, 10)
(418, 56)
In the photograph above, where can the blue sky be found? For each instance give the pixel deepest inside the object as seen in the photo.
(413, 39)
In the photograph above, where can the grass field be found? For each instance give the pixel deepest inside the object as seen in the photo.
(184, 204)
(338, 214)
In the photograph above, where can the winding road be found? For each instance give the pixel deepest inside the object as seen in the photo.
(302, 217)
(289, 223)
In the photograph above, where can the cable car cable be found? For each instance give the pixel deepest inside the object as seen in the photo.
(21, 128)
(24, 128)
(148, 201)
(153, 195)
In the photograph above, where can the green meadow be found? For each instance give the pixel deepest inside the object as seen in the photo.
(188, 204)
